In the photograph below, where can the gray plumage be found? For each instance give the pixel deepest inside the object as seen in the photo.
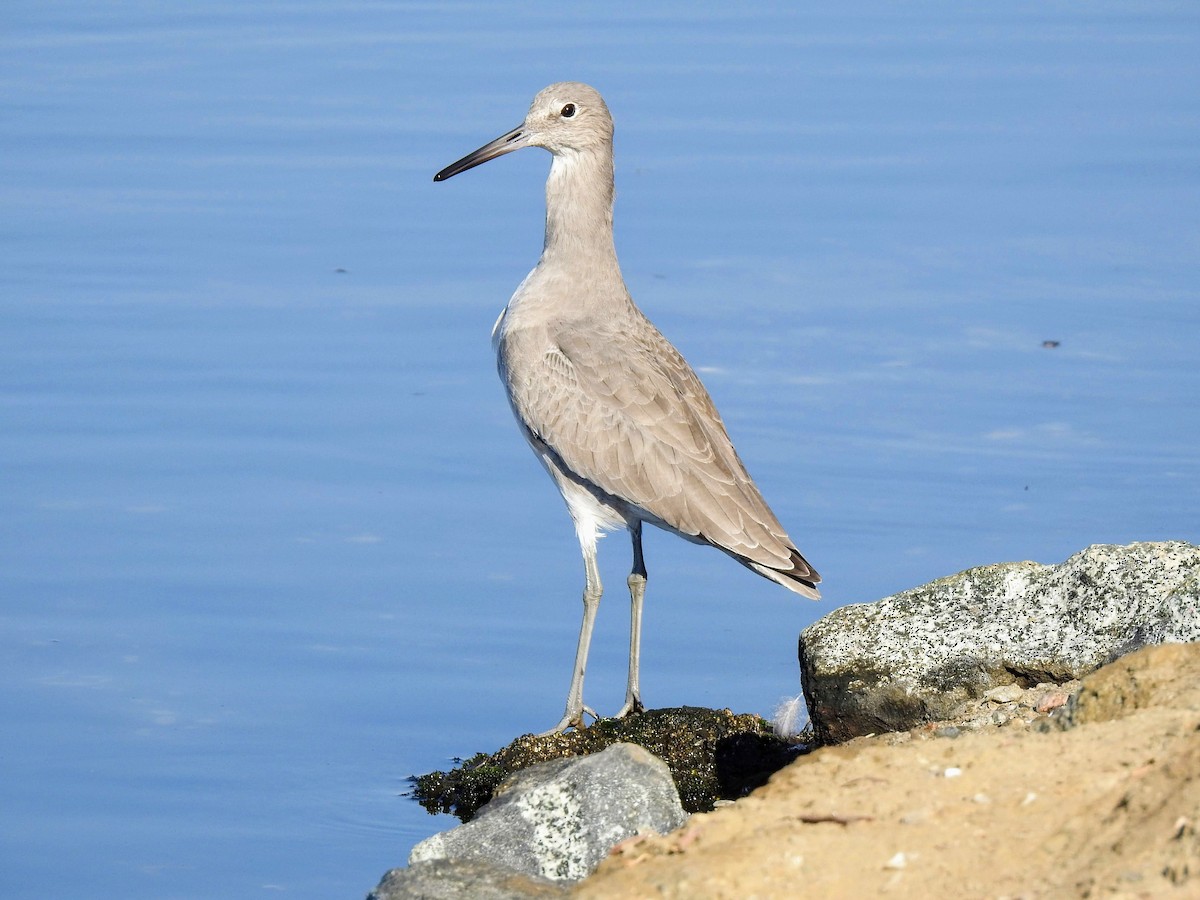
(614, 412)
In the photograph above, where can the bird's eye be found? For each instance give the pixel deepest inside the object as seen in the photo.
(568, 110)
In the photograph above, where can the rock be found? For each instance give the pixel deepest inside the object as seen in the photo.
(559, 819)
(1047, 701)
(1157, 676)
(1004, 693)
(1110, 808)
(929, 654)
(713, 755)
(463, 879)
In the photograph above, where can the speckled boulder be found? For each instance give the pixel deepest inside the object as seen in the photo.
(559, 819)
(921, 655)
(464, 879)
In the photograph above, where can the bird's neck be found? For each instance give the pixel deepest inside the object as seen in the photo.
(579, 210)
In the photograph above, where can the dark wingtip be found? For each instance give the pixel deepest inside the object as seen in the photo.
(803, 571)
(801, 577)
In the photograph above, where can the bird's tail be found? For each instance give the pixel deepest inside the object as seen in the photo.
(799, 577)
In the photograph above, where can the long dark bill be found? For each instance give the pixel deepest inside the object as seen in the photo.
(506, 143)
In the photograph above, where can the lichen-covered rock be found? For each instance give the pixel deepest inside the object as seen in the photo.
(922, 655)
(464, 879)
(559, 819)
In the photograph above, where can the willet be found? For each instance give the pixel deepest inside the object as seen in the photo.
(613, 411)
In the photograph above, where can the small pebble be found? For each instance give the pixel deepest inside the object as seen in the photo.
(1050, 700)
(1004, 693)
(1029, 798)
(899, 861)
(982, 799)
(952, 772)
(947, 731)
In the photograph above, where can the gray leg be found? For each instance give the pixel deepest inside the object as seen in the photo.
(573, 717)
(637, 594)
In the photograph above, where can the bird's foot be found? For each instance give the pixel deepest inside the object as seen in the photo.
(633, 706)
(572, 719)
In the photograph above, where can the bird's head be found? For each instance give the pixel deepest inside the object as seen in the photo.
(565, 118)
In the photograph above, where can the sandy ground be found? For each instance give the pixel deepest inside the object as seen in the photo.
(1106, 808)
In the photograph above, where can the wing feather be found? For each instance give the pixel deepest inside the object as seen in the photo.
(627, 414)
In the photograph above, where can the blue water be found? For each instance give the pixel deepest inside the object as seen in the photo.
(270, 541)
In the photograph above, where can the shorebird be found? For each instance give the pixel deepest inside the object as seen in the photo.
(611, 409)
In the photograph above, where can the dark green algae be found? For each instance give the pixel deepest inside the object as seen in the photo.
(712, 754)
